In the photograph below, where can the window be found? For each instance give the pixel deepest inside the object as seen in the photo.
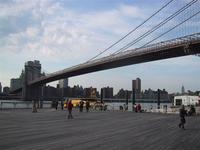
(178, 102)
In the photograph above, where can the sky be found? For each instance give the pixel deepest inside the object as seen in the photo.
(64, 33)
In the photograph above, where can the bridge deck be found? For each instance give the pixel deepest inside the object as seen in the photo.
(49, 129)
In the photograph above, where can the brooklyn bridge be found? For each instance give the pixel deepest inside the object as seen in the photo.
(181, 45)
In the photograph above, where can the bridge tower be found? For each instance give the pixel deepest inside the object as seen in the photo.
(32, 71)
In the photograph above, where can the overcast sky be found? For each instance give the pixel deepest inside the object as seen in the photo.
(63, 33)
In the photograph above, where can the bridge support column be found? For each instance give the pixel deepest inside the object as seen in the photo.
(32, 71)
(32, 94)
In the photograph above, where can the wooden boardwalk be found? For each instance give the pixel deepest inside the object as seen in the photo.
(50, 129)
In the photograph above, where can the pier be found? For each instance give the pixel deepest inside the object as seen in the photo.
(50, 129)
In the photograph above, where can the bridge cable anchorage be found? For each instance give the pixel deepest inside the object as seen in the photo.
(171, 29)
(156, 27)
(131, 31)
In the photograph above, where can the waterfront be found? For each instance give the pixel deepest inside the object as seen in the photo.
(110, 130)
(15, 104)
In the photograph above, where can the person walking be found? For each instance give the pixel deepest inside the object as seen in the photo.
(182, 114)
(69, 107)
(87, 106)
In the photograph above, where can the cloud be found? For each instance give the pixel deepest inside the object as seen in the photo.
(131, 11)
(56, 32)
(32, 32)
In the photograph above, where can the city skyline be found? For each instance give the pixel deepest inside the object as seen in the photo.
(61, 34)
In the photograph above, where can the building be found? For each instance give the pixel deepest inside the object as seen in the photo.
(186, 100)
(182, 90)
(6, 90)
(50, 93)
(15, 84)
(122, 94)
(150, 94)
(90, 92)
(76, 91)
(63, 83)
(136, 86)
(107, 92)
(0, 88)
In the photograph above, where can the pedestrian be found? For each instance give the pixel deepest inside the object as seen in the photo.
(182, 114)
(56, 105)
(125, 107)
(81, 106)
(192, 111)
(87, 106)
(69, 107)
(135, 108)
(61, 103)
(139, 108)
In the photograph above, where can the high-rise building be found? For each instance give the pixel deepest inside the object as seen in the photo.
(182, 90)
(15, 84)
(136, 86)
(107, 92)
(63, 83)
(0, 88)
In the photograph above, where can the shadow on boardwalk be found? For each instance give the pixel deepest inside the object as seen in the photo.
(49, 129)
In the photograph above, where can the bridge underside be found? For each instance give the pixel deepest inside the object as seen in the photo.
(128, 60)
(136, 56)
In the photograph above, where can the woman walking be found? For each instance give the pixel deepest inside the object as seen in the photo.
(69, 107)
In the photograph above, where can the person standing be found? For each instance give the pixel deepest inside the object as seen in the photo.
(139, 108)
(182, 114)
(61, 103)
(69, 107)
(87, 106)
(81, 105)
(56, 105)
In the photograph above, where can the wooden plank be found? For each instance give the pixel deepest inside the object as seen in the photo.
(50, 129)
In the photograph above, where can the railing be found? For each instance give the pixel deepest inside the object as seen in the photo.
(14, 104)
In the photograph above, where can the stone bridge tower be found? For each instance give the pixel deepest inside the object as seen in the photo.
(32, 71)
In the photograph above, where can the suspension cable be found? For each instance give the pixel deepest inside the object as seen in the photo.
(156, 27)
(170, 29)
(132, 30)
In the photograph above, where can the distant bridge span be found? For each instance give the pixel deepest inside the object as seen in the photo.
(188, 45)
